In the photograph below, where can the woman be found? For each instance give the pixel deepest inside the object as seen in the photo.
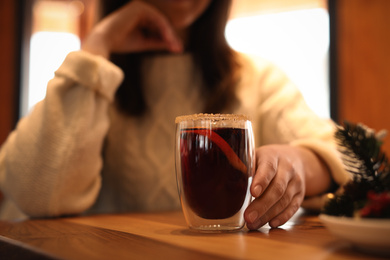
(99, 142)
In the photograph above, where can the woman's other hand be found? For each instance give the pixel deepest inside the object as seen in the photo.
(284, 176)
(135, 27)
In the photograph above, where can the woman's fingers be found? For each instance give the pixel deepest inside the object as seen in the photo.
(266, 167)
(269, 204)
(281, 187)
(277, 214)
(157, 31)
(135, 27)
(287, 212)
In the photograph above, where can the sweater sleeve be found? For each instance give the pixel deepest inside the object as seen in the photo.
(50, 164)
(286, 118)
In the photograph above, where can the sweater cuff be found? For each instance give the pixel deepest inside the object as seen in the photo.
(92, 71)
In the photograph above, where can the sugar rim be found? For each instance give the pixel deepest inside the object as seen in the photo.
(212, 117)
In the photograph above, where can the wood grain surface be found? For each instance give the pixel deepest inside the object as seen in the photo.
(166, 236)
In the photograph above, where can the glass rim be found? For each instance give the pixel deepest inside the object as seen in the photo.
(211, 117)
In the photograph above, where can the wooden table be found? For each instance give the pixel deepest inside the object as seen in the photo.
(166, 236)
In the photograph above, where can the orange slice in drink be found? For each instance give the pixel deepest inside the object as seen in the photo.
(234, 160)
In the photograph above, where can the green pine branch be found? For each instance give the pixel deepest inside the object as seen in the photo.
(362, 156)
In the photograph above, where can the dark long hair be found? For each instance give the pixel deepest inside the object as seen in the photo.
(212, 56)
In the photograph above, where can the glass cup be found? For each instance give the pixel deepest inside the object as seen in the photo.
(215, 161)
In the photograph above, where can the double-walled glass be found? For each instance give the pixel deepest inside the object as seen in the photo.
(214, 167)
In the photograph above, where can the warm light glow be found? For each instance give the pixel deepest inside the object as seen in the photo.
(55, 29)
(296, 41)
(47, 51)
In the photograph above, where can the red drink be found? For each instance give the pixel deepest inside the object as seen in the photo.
(214, 171)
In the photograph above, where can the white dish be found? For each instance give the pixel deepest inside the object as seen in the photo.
(368, 235)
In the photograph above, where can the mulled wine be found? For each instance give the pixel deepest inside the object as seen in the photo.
(214, 168)
(214, 172)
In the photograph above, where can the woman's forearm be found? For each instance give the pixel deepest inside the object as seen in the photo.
(317, 174)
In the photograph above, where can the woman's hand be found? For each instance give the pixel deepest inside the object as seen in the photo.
(284, 176)
(135, 27)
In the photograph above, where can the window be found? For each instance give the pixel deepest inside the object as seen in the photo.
(55, 31)
(296, 38)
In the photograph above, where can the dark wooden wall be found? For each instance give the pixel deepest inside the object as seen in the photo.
(8, 66)
(363, 66)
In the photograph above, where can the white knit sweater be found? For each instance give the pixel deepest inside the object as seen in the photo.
(76, 153)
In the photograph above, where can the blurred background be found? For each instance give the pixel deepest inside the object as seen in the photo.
(336, 51)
